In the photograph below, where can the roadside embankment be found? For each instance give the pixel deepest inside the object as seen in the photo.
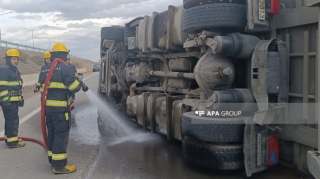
(31, 62)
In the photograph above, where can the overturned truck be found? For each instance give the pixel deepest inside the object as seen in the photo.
(220, 76)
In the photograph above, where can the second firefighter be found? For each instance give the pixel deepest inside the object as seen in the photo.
(62, 84)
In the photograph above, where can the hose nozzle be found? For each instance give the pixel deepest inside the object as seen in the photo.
(84, 87)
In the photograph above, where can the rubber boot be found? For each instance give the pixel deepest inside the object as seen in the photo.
(66, 170)
(21, 143)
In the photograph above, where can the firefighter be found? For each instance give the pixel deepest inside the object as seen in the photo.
(46, 57)
(57, 112)
(11, 97)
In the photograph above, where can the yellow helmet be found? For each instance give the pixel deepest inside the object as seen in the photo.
(13, 53)
(59, 47)
(47, 54)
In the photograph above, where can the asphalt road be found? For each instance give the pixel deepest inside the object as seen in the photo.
(117, 148)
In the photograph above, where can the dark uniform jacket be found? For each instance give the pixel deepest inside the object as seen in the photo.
(74, 68)
(75, 73)
(63, 81)
(10, 84)
(39, 85)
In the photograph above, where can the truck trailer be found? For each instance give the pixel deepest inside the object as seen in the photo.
(236, 81)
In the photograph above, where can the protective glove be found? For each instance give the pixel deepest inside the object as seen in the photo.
(79, 79)
(84, 87)
(79, 76)
(36, 90)
(21, 103)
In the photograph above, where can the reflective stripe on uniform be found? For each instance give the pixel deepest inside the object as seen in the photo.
(59, 156)
(10, 83)
(38, 84)
(56, 103)
(67, 115)
(74, 85)
(15, 98)
(49, 153)
(3, 83)
(56, 85)
(14, 83)
(12, 139)
(4, 93)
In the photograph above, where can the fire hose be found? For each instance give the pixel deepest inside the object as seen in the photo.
(44, 143)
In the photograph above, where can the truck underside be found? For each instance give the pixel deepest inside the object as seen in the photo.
(218, 76)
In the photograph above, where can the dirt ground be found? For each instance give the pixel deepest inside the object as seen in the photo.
(32, 61)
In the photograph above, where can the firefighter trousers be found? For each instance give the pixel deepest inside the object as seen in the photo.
(11, 124)
(58, 126)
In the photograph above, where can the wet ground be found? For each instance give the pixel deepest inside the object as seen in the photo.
(110, 150)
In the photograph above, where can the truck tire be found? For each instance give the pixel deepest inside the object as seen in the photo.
(191, 3)
(212, 156)
(218, 17)
(219, 130)
(112, 33)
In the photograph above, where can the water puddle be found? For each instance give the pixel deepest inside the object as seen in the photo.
(138, 138)
(84, 126)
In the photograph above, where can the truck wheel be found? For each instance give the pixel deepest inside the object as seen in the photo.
(191, 3)
(212, 156)
(220, 130)
(218, 17)
(112, 33)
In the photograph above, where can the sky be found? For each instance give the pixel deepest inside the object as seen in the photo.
(76, 23)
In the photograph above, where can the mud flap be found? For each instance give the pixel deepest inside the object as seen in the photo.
(255, 147)
(261, 81)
